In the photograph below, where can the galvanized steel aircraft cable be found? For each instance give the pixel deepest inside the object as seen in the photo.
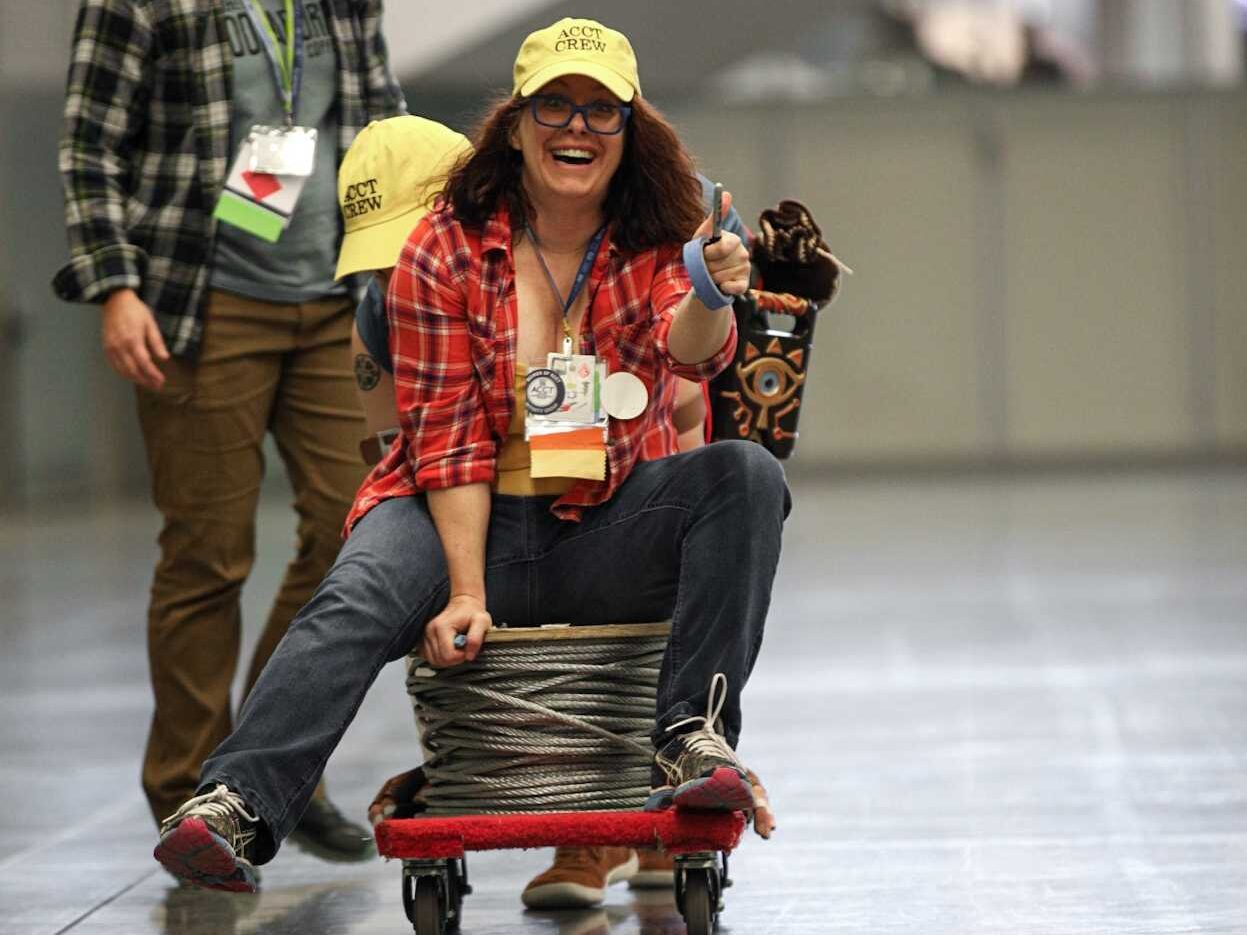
(561, 725)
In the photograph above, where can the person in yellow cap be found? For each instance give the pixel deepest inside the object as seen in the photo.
(575, 224)
(389, 179)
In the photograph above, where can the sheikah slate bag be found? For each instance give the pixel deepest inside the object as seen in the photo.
(758, 396)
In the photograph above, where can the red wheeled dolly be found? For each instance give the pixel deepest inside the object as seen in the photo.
(435, 876)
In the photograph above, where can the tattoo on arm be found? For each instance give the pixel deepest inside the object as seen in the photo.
(367, 372)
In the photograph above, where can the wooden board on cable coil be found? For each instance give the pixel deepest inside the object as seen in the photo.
(676, 832)
(567, 631)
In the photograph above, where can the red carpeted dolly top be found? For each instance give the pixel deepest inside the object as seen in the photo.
(677, 832)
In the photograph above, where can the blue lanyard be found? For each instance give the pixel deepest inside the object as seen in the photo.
(586, 265)
(287, 68)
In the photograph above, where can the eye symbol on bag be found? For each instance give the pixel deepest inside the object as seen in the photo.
(768, 379)
(768, 383)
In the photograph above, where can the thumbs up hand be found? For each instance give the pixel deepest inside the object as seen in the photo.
(727, 260)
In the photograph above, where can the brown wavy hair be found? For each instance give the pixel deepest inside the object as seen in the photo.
(654, 197)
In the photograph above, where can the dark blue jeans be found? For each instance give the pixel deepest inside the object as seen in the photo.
(694, 537)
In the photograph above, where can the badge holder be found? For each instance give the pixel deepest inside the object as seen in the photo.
(267, 180)
(285, 151)
(566, 422)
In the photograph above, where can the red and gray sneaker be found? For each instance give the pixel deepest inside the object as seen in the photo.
(700, 770)
(207, 841)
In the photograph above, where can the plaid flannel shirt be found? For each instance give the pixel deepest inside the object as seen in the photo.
(452, 310)
(146, 144)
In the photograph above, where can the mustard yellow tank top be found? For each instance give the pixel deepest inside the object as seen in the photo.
(515, 460)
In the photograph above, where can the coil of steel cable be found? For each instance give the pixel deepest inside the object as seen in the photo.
(545, 719)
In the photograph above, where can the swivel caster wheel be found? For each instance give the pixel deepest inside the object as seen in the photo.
(701, 915)
(700, 881)
(429, 909)
(433, 894)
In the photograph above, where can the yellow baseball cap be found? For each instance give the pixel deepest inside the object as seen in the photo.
(577, 47)
(387, 182)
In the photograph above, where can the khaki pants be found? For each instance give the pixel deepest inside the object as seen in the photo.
(263, 367)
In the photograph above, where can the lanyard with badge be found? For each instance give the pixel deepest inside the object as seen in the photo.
(568, 402)
(273, 163)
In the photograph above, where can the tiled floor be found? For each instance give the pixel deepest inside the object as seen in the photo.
(985, 705)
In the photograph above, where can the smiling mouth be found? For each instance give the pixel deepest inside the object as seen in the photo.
(573, 157)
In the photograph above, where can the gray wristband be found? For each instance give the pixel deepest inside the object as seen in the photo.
(703, 286)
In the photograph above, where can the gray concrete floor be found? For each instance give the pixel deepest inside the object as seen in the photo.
(984, 705)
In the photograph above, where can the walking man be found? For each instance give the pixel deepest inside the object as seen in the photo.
(199, 161)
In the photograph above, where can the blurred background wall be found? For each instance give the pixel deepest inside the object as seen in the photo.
(1045, 202)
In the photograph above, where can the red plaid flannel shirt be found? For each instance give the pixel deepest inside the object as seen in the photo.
(452, 312)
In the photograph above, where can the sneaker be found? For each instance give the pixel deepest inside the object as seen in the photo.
(579, 877)
(207, 842)
(324, 831)
(661, 792)
(697, 769)
(655, 870)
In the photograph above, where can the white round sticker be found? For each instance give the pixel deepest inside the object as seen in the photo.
(625, 395)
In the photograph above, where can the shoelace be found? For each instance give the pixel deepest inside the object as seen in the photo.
(708, 741)
(221, 804)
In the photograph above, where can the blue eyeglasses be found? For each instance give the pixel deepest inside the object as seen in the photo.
(601, 117)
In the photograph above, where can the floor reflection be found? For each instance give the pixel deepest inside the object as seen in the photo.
(597, 921)
(337, 907)
(187, 911)
(654, 911)
(295, 910)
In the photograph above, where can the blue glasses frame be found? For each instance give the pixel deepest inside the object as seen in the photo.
(582, 109)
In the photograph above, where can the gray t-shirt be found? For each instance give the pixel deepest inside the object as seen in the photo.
(300, 266)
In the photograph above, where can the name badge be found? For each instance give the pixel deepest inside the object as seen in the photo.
(566, 424)
(565, 395)
(289, 151)
(261, 203)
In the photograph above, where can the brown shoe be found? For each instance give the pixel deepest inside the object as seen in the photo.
(655, 870)
(579, 877)
(325, 832)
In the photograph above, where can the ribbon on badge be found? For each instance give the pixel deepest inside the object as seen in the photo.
(580, 453)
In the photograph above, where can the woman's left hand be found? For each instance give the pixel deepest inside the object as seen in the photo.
(727, 260)
(463, 614)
